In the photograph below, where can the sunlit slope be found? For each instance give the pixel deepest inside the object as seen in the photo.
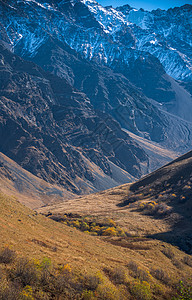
(29, 189)
(159, 205)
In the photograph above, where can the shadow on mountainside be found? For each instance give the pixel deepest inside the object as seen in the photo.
(169, 189)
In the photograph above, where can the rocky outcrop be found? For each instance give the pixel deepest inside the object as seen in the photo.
(52, 130)
(92, 71)
(120, 58)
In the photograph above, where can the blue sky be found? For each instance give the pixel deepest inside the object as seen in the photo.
(146, 4)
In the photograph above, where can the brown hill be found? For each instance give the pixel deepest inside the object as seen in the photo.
(159, 205)
(128, 267)
(27, 188)
(171, 188)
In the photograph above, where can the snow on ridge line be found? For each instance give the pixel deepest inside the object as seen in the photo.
(110, 18)
(112, 21)
(44, 6)
(176, 62)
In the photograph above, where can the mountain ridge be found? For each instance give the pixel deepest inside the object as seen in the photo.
(140, 67)
(104, 67)
(46, 136)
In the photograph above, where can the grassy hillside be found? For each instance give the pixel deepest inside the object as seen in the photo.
(127, 268)
(158, 206)
(166, 194)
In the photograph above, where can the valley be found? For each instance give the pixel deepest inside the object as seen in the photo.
(139, 250)
(95, 151)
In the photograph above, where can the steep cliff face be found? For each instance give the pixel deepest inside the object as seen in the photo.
(164, 34)
(52, 130)
(101, 69)
(103, 34)
(113, 93)
(83, 40)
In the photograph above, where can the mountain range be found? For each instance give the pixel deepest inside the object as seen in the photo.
(92, 96)
(95, 118)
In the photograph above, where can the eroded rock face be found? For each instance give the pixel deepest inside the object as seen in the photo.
(113, 93)
(120, 58)
(103, 69)
(50, 128)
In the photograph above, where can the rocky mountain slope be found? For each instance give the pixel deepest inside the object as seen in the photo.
(52, 130)
(29, 189)
(102, 69)
(136, 46)
(157, 32)
(164, 34)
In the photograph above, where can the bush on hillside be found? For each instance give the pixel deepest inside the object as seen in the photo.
(7, 256)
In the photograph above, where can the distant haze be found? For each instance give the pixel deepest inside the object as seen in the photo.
(148, 5)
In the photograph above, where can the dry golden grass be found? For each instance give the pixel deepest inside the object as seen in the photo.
(104, 204)
(35, 236)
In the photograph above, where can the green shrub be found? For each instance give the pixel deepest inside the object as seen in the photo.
(7, 256)
(161, 275)
(84, 226)
(154, 208)
(110, 231)
(187, 260)
(107, 227)
(168, 252)
(107, 291)
(45, 275)
(92, 282)
(184, 292)
(25, 273)
(27, 293)
(88, 295)
(177, 264)
(61, 283)
(119, 276)
(141, 290)
(137, 272)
